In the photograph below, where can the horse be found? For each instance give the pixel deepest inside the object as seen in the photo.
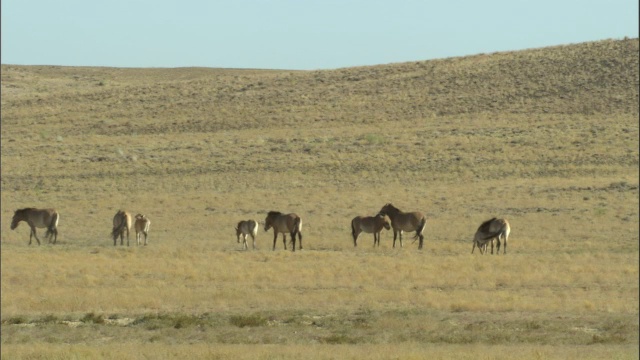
(142, 225)
(244, 228)
(491, 231)
(369, 224)
(121, 224)
(284, 223)
(38, 218)
(405, 221)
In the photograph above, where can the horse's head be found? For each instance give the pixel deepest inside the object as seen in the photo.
(17, 217)
(388, 208)
(237, 228)
(139, 216)
(385, 221)
(268, 221)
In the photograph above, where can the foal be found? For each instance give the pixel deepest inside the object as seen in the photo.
(245, 228)
(142, 227)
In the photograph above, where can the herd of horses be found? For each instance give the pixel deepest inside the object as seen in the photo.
(493, 231)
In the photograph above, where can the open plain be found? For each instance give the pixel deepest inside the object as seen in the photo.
(547, 138)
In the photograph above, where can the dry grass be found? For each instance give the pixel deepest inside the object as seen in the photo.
(547, 138)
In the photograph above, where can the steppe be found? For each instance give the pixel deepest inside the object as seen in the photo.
(547, 138)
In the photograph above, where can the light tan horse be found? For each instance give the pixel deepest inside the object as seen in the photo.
(121, 224)
(491, 231)
(283, 224)
(369, 224)
(38, 218)
(405, 221)
(142, 226)
(245, 228)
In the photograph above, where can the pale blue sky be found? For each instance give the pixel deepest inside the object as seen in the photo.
(295, 34)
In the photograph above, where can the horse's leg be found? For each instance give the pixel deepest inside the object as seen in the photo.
(145, 238)
(400, 237)
(284, 240)
(505, 245)
(299, 240)
(420, 242)
(275, 237)
(55, 235)
(127, 237)
(498, 245)
(395, 235)
(253, 241)
(293, 240)
(33, 232)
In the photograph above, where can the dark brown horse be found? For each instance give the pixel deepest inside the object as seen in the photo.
(369, 224)
(490, 231)
(121, 225)
(283, 224)
(405, 221)
(38, 218)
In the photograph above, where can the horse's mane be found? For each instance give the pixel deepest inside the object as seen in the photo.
(274, 213)
(391, 207)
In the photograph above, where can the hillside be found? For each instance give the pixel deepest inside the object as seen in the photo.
(584, 79)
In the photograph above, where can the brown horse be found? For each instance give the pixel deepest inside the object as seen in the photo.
(245, 228)
(121, 224)
(369, 224)
(38, 218)
(142, 225)
(490, 231)
(284, 223)
(405, 221)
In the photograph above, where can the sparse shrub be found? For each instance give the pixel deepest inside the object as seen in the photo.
(50, 318)
(248, 320)
(16, 320)
(181, 321)
(339, 339)
(93, 318)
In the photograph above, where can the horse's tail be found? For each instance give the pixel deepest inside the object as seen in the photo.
(53, 224)
(423, 223)
(297, 227)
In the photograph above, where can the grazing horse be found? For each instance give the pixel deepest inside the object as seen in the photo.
(284, 223)
(490, 231)
(369, 224)
(142, 225)
(121, 224)
(405, 221)
(244, 228)
(38, 218)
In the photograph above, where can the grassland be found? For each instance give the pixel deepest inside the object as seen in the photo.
(547, 138)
